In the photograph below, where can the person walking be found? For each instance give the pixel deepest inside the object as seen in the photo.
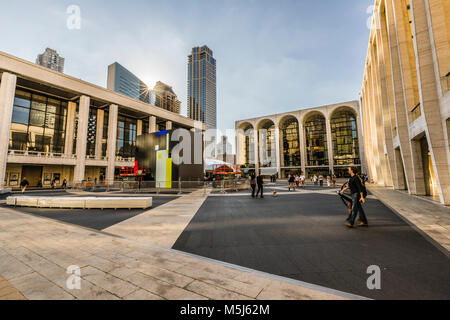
(260, 183)
(64, 183)
(253, 184)
(315, 180)
(333, 180)
(357, 189)
(328, 181)
(24, 184)
(321, 180)
(302, 180)
(291, 181)
(297, 180)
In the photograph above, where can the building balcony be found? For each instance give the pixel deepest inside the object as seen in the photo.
(40, 157)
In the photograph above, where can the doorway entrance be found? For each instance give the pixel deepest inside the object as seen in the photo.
(33, 175)
(428, 171)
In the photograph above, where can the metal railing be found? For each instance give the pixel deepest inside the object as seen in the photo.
(173, 187)
(41, 154)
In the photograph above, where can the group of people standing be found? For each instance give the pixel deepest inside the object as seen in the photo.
(318, 180)
(296, 181)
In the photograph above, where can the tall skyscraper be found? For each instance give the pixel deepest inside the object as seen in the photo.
(123, 81)
(51, 59)
(201, 88)
(164, 97)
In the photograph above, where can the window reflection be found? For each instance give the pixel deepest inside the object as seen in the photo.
(38, 123)
(291, 146)
(126, 137)
(344, 133)
(316, 141)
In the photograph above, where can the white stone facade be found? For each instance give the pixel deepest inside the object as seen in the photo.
(327, 112)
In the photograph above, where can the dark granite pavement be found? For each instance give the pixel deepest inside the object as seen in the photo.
(303, 236)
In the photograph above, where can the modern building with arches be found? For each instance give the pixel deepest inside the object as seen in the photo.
(319, 140)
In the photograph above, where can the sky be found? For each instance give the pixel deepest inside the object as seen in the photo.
(272, 56)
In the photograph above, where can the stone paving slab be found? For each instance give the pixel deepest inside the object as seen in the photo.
(432, 218)
(8, 291)
(163, 225)
(35, 253)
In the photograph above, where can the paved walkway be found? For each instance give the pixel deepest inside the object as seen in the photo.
(8, 292)
(431, 218)
(35, 253)
(162, 225)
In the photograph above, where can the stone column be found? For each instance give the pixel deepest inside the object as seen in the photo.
(397, 47)
(7, 93)
(277, 148)
(302, 145)
(152, 124)
(139, 128)
(329, 145)
(430, 87)
(168, 125)
(255, 137)
(83, 119)
(71, 113)
(360, 144)
(112, 137)
(99, 133)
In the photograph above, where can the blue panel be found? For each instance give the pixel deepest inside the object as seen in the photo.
(161, 133)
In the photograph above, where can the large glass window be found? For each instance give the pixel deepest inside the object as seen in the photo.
(126, 138)
(249, 143)
(105, 133)
(38, 123)
(291, 145)
(344, 133)
(267, 145)
(316, 141)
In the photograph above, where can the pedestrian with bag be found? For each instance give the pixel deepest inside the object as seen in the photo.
(359, 193)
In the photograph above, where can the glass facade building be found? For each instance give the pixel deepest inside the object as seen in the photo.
(201, 87)
(121, 80)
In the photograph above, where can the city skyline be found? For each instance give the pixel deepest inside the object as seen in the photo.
(262, 35)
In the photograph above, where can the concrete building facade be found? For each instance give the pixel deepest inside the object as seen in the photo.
(164, 97)
(321, 140)
(54, 126)
(51, 59)
(405, 98)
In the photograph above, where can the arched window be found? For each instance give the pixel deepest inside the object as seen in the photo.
(316, 140)
(290, 143)
(344, 133)
(267, 147)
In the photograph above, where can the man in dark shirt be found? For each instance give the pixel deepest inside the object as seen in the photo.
(24, 184)
(259, 182)
(356, 189)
